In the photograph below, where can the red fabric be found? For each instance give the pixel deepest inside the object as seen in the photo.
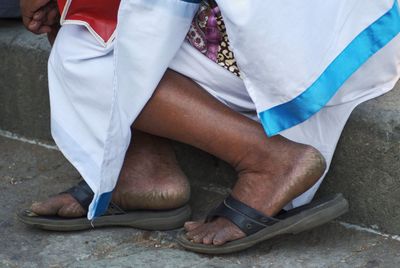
(101, 15)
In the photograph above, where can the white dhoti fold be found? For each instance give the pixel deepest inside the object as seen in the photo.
(305, 67)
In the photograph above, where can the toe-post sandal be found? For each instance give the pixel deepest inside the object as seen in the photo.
(114, 216)
(259, 227)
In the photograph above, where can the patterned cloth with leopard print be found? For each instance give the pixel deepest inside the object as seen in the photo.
(208, 35)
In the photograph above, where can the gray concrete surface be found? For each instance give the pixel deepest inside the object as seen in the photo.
(30, 172)
(366, 166)
(24, 97)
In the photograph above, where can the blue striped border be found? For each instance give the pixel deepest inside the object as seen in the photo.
(100, 205)
(363, 47)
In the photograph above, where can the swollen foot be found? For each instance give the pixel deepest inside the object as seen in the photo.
(267, 182)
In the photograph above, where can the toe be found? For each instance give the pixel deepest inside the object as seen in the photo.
(227, 232)
(227, 235)
(196, 232)
(191, 235)
(220, 238)
(63, 205)
(48, 207)
(208, 239)
(199, 237)
(191, 225)
(73, 210)
(204, 232)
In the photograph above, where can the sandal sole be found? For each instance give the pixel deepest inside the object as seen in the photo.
(145, 220)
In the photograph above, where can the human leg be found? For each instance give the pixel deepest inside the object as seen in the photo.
(271, 171)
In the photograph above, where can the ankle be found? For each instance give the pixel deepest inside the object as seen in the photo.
(249, 153)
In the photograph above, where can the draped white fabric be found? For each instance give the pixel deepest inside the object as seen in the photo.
(281, 48)
(149, 33)
(285, 45)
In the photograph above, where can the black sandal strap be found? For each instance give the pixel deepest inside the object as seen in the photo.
(249, 220)
(114, 209)
(250, 212)
(82, 193)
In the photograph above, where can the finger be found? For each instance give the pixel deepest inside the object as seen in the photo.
(34, 26)
(29, 7)
(39, 15)
(52, 17)
(44, 29)
(26, 21)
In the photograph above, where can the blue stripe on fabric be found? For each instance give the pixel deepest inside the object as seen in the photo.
(363, 47)
(101, 204)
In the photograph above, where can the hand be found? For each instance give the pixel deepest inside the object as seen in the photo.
(39, 16)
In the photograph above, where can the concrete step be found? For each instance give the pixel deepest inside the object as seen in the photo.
(24, 97)
(365, 168)
(31, 172)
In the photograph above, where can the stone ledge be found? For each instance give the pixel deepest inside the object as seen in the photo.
(365, 168)
(24, 99)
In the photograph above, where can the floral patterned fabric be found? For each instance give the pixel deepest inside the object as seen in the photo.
(208, 35)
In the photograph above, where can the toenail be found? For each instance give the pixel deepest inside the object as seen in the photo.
(30, 213)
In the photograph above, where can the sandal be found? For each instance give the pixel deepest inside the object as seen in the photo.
(115, 216)
(259, 227)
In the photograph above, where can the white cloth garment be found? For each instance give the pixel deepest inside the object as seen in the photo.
(305, 68)
(321, 131)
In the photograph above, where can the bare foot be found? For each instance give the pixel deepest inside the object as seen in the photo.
(268, 180)
(150, 179)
